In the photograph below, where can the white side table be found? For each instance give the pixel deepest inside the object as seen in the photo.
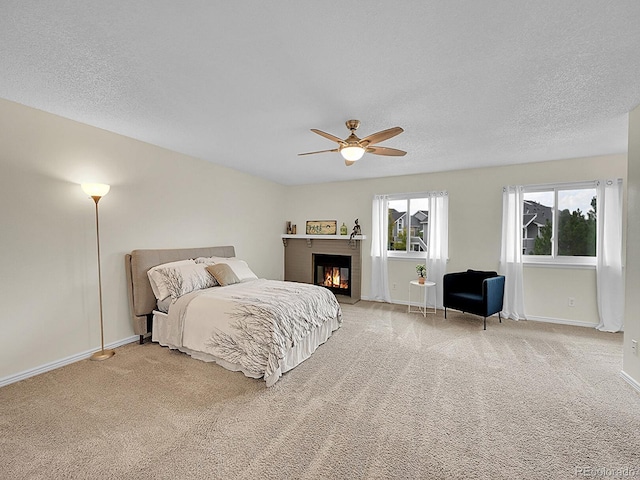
(422, 308)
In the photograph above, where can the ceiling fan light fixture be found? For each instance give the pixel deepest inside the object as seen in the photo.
(352, 153)
(353, 148)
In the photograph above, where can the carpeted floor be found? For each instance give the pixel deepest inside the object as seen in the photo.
(390, 395)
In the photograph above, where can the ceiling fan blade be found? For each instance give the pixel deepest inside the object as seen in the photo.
(389, 152)
(333, 138)
(381, 136)
(319, 151)
(348, 163)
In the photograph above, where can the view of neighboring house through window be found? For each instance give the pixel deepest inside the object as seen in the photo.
(408, 224)
(559, 221)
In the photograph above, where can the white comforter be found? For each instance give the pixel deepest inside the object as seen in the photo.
(252, 325)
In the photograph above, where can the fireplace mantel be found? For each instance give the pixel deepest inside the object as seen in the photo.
(309, 238)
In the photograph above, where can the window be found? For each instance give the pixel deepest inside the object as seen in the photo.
(408, 225)
(559, 224)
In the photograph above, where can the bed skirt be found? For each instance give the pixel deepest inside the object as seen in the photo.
(295, 356)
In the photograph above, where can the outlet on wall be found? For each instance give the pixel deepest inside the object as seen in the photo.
(393, 286)
(634, 347)
(572, 302)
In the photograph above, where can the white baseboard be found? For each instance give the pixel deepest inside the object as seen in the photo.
(562, 321)
(559, 321)
(32, 372)
(631, 381)
(397, 302)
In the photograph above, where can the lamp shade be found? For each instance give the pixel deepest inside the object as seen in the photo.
(352, 153)
(95, 189)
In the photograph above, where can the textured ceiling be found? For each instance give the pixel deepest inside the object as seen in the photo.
(473, 83)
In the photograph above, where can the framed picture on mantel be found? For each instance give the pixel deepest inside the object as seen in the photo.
(322, 227)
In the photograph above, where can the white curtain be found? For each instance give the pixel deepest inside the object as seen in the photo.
(511, 252)
(609, 279)
(438, 242)
(379, 229)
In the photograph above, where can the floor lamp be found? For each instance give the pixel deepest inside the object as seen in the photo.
(97, 191)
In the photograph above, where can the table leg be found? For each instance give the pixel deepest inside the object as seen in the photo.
(424, 313)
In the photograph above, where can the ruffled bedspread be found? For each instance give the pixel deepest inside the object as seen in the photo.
(251, 324)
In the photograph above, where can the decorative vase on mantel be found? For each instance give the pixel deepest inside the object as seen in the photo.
(343, 229)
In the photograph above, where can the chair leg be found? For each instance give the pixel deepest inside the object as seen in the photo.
(445, 313)
(500, 317)
(485, 323)
(141, 339)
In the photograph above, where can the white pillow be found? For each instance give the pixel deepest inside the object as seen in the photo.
(182, 279)
(157, 281)
(240, 268)
(212, 260)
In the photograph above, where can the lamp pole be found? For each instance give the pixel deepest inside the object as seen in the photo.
(96, 192)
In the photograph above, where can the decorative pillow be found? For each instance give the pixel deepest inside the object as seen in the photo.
(183, 279)
(223, 274)
(156, 280)
(239, 267)
(212, 260)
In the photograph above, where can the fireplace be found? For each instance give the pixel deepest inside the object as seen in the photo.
(301, 265)
(333, 272)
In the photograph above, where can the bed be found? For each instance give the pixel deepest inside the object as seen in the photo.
(207, 303)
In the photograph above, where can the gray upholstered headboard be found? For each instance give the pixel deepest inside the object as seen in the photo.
(141, 298)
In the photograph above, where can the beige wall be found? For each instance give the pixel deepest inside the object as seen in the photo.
(158, 199)
(631, 361)
(475, 212)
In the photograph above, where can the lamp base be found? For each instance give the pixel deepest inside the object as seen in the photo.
(103, 355)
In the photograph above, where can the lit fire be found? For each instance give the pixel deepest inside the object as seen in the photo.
(333, 279)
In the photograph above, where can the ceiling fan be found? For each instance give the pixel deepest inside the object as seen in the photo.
(353, 148)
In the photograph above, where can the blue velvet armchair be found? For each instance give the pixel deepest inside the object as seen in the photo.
(474, 291)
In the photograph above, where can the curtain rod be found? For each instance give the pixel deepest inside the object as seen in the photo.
(566, 184)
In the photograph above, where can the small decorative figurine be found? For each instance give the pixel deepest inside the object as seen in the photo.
(356, 230)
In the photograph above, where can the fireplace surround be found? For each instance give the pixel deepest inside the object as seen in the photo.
(301, 253)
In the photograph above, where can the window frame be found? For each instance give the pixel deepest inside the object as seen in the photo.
(407, 254)
(554, 259)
